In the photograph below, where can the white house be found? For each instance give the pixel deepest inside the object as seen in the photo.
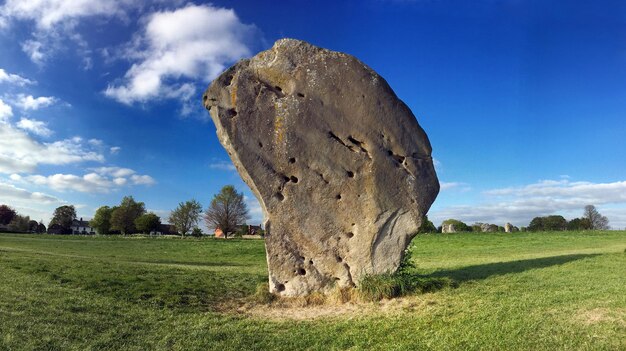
(81, 227)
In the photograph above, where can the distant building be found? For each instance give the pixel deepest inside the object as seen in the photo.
(81, 227)
(248, 229)
(219, 233)
(165, 229)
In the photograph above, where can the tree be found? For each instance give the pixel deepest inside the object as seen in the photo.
(427, 226)
(6, 214)
(63, 217)
(554, 222)
(197, 232)
(123, 217)
(41, 228)
(148, 222)
(186, 216)
(102, 220)
(579, 224)
(536, 224)
(32, 226)
(596, 220)
(227, 210)
(19, 224)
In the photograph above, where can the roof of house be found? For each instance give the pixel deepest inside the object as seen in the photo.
(80, 223)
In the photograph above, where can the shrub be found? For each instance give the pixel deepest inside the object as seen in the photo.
(197, 232)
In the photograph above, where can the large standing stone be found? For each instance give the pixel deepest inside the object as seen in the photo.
(342, 169)
(448, 228)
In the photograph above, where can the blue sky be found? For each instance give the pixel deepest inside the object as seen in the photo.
(523, 101)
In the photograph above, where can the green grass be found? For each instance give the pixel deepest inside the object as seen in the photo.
(523, 291)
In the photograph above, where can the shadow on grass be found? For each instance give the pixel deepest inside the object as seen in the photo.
(484, 271)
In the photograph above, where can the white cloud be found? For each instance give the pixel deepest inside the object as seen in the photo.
(48, 13)
(34, 50)
(100, 180)
(34, 126)
(28, 102)
(95, 142)
(142, 179)
(519, 205)
(19, 153)
(5, 112)
(566, 191)
(254, 210)
(55, 22)
(194, 43)
(437, 164)
(13, 78)
(11, 194)
(453, 185)
(117, 172)
(223, 166)
(115, 150)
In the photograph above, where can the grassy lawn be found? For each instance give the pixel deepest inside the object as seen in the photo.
(523, 291)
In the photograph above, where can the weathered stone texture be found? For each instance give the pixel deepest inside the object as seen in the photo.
(341, 167)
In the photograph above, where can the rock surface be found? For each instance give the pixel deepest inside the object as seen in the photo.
(448, 228)
(340, 166)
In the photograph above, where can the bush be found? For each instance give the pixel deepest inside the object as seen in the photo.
(197, 232)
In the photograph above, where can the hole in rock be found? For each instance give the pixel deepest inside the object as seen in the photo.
(300, 95)
(339, 259)
(350, 174)
(231, 113)
(350, 234)
(310, 261)
(280, 287)
(260, 144)
(285, 178)
(228, 80)
(280, 196)
(293, 179)
(337, 278)
(301, 271)
(338, 197)
(354, 141)
(292, 160)
(278, 88)
(353, 224)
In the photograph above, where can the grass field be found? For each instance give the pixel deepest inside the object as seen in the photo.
(523, 291)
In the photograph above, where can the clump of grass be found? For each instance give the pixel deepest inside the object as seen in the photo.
(340, 295)
(391, 285)
(380, 286)
(262, 295)
(315, 299)
(402, 282)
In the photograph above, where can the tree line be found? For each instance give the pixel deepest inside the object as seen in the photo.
(226, 211)
(591, 220)
(12, 221)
